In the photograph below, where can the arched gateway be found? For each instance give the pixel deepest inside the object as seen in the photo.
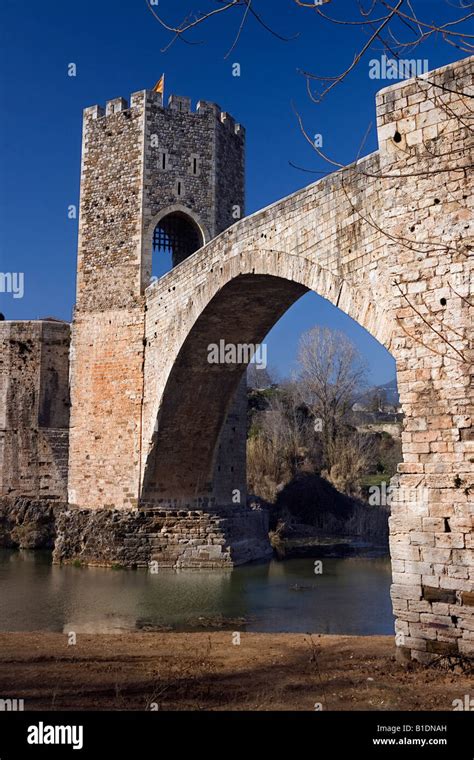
(156, 430)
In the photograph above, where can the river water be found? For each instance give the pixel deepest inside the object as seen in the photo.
(350, 596)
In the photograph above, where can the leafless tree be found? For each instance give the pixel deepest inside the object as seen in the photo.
(332, 373)
(307, 423)
(260, 377)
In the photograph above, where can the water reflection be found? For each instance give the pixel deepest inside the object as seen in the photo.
(350, 596)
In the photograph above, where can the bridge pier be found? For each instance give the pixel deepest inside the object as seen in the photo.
(197, 536)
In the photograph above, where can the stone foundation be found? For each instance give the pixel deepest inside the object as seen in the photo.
(215, 537)
(28, 523)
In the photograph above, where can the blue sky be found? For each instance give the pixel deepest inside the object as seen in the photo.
(117, 49)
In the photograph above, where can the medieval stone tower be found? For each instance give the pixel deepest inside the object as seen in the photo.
(152, 178)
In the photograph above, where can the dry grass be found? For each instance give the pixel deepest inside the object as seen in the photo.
(202, 671)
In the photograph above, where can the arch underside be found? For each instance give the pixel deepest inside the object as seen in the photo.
(198, 394)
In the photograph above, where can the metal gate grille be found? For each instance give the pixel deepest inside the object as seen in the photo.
(176, 234)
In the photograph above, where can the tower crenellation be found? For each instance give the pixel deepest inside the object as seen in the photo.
(178, 103)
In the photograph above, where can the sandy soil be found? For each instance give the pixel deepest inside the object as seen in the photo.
(206, 671)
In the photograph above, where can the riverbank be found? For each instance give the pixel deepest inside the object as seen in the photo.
(207, 671)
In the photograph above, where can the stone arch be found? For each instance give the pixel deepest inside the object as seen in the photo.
(239, 300)
(174, 208)
(152, 224)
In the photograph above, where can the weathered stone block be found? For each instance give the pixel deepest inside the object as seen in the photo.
(467, 598)
(442, 647)
(431, 594)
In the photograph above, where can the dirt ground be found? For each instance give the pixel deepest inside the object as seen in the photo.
(206, 671)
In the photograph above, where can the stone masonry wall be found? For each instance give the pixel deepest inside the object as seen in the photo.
(28, 523)
(177, 143)
(425, 144)
(230, 172)
(124, 188)
(230, 470)
(34, 409)
(215, 538)
(106, 384)
(108, 326)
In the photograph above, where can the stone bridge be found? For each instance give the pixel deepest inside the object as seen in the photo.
(235, 289)
(157, 443)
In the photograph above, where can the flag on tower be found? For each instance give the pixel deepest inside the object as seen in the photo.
(160, 85)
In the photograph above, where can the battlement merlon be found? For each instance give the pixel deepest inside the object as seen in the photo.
(176, 103)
